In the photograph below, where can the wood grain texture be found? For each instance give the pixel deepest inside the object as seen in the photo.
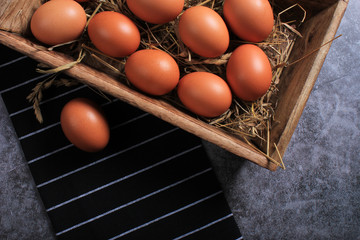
(15, 15)
(299, 79)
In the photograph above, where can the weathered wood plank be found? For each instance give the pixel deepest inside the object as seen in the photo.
(15, 15)
(299, 79)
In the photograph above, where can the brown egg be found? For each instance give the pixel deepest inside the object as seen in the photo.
(250, 20)
(204, 32)
(249, 72)
(152, 71)
(85, 125)
(114, 34)
(205, 94)
(57, 22)
(156, 11)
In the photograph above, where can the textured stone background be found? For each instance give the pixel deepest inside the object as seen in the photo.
(22, 215)
(318, 195)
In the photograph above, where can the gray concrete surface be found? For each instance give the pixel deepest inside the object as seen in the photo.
(318, 195)
(22, 215)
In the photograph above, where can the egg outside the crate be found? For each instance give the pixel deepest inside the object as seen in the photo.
(249, 72)
(84, 125)
(57, 22)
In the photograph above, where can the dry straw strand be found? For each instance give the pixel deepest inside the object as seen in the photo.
(35, 97)
(63, 67)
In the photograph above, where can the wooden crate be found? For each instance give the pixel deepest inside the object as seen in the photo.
(297, 81)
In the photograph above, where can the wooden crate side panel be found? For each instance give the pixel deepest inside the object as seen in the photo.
(299, 79)
(15, 15)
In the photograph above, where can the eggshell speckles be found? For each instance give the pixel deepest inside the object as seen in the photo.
(204, 32)
(84, 125)
(114, 34)
(205, 94)
(152, 71)
(250, 20)
(249, 72)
